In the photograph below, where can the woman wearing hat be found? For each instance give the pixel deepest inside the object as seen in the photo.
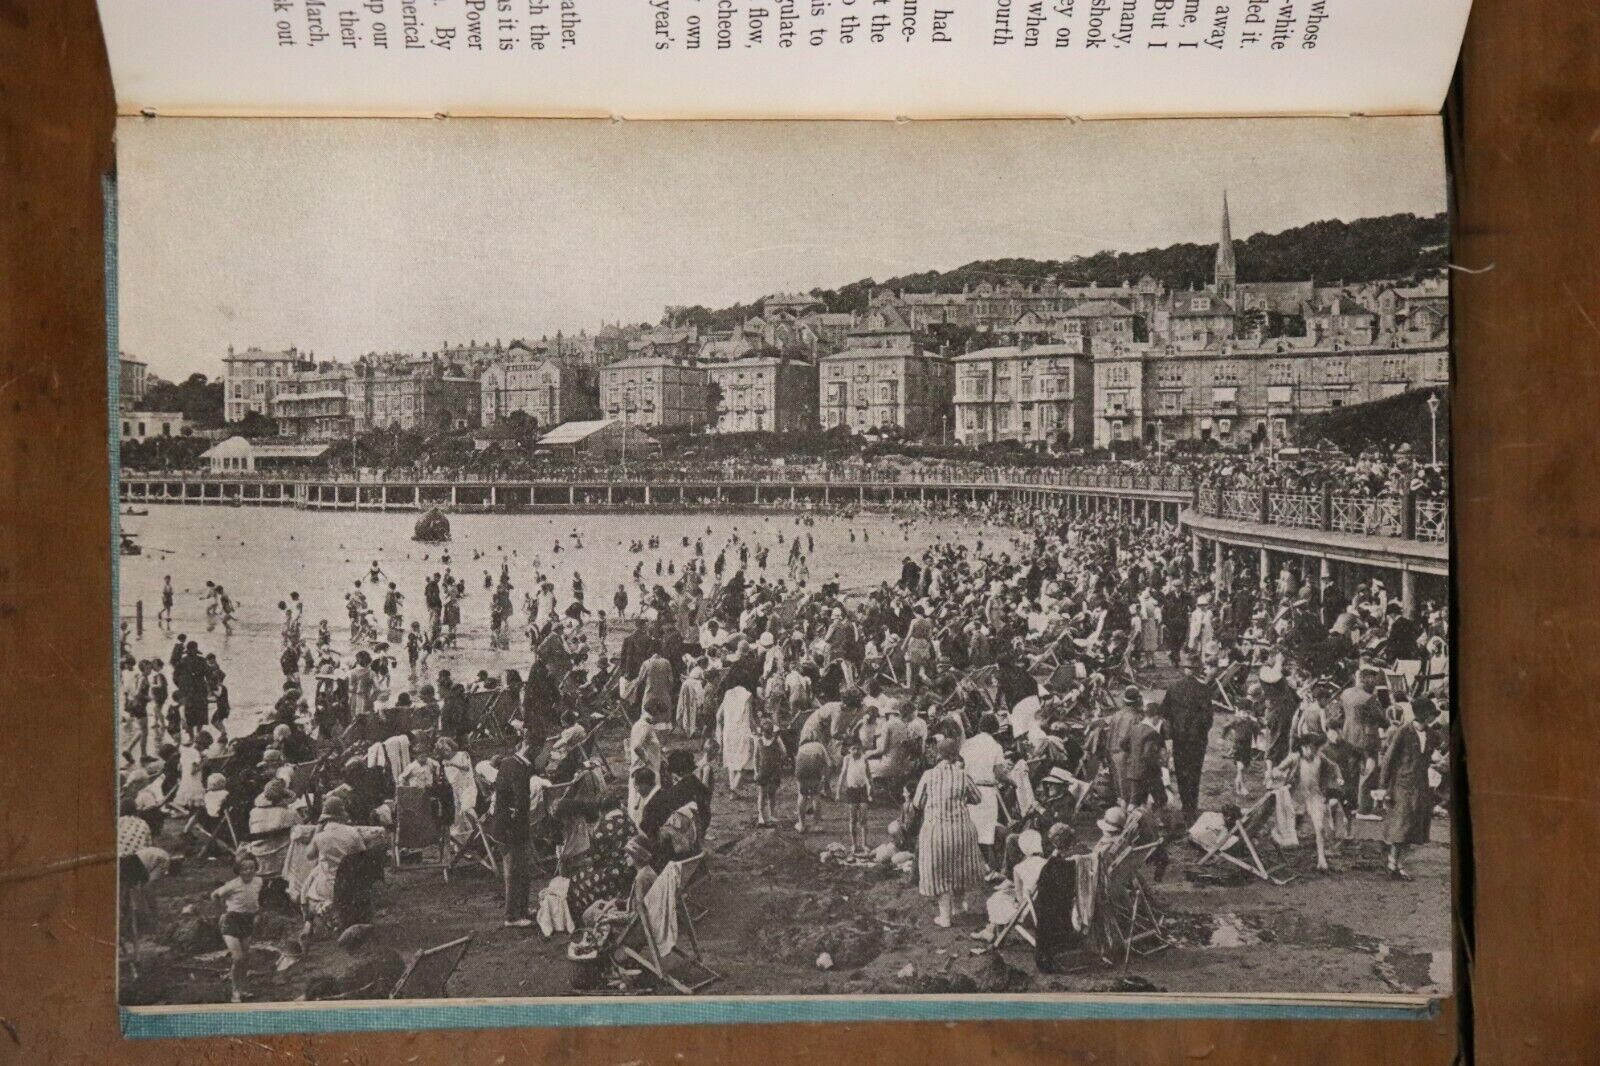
(1056, 892)
(456, 766)
(335, 843)
(1119, 727)
(919, 647)
(271, 819)
(736, 732)
(948, 859)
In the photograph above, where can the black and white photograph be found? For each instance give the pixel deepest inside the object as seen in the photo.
(851, 559)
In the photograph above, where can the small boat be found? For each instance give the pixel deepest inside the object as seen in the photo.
(133, 512)
(129, 546)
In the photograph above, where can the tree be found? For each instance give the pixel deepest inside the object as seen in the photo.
(953, 339)
(713, 404)
(198, 398)
(526, 429)
(255, 424)
(163, 453)
(1331, 250)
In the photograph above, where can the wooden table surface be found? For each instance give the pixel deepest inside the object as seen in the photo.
(1525, 122)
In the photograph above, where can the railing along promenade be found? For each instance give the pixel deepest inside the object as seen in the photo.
(1002, 477)
(1402, 516)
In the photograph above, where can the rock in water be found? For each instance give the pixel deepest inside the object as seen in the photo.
(432, 528)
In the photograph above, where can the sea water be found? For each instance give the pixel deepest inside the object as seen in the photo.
(260, 555)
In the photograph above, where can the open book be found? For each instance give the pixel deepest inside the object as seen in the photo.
(581, 569)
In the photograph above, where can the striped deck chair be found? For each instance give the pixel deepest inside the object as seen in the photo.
(489, 713)
(1132, 916)
(1230, 678)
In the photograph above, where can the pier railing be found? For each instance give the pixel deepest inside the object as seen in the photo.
(1402, 516)
(1006, 477)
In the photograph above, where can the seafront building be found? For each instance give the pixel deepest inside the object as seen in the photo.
(149, 425)
(1037, 394)
(1241, 363)
(314, 405)
(548, 390)
(1041, 362)
(132, 379)
(758, 393)
(655, 391)
(882, 380)
(250, 379)
(422, 395)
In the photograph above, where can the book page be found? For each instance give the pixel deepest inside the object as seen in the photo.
(783, 58)
(841, 570)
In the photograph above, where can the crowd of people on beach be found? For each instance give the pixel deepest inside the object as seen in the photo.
(972, 719)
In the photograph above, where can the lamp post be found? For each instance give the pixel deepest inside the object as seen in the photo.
(1433, 416)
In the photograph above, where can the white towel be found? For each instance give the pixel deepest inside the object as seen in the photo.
(1283, 828)
(1026, 800)
(661, 908)
(553, 916)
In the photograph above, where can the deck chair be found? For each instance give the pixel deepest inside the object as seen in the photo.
(488, 713)
(348, 737)
(542, 818)
(427, 975)
(1130, 909)
(418, 828)
(480, 847)
(301, 775)
(1047, 658)
(1242, 832)
(1065, 677)
(1017, 925)
(1226, 680)
(170, 808)
(224, 835)
(640, 945)
(594, 755)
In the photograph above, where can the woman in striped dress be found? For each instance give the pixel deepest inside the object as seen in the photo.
(948, 860)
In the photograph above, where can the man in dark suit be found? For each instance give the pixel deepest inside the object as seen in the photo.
(636, 648)
(512, 800)
(1188, 711)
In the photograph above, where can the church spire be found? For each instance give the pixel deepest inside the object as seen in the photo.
(1226, 272)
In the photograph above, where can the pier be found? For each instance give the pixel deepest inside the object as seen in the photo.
(1320, 536)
